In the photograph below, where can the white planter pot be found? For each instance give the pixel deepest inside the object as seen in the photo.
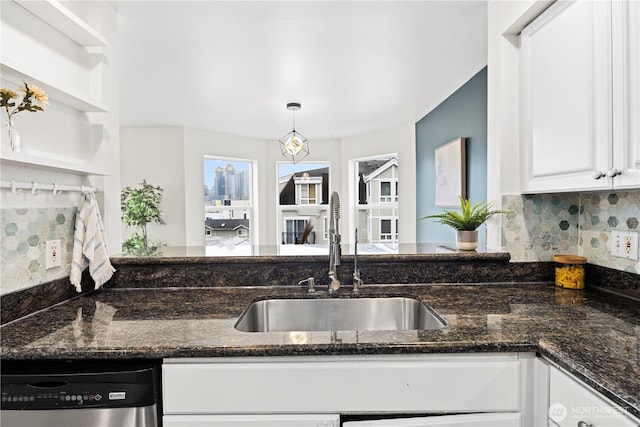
(467, 240)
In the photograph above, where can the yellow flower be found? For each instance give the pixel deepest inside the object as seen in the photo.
(8, 93)
(39, 94)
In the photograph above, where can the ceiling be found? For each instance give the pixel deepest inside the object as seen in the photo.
(355, 66)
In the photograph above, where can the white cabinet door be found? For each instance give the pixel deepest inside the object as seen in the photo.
(626, 95)
(572, 402)
(566, 117)
(462, 420)
(306, 420)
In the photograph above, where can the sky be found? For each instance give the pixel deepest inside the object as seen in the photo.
(210, 166)
(284, 169)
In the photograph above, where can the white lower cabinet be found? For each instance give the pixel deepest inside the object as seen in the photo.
(572, 403)
(288, 390)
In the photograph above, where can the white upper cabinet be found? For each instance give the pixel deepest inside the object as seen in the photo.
(626, 91)
(579, 98)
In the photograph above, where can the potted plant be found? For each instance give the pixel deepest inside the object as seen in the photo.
(141, 206)
(33, 99)
(466, 222)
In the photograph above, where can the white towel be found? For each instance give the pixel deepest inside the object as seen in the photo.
(89, 245)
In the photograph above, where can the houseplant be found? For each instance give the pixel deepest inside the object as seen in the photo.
(466, 222)
(141, 206)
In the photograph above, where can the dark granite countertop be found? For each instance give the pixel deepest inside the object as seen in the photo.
(592, 333)
(293, 253)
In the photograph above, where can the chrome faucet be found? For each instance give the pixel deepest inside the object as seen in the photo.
(357, 281)
(334, 242)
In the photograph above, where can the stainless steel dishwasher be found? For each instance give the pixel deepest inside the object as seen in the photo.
(80, 394)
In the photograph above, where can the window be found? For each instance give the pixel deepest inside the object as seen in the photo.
(385, 192)
(385, 229)
(227, 203)
(308, 194)
(387, 232)
(294, 231)
(376, 184)
(303, 193)
(325, 228)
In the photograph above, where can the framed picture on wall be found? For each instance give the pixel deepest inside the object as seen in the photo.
(450, 169)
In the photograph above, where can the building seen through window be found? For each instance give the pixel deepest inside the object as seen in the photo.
(303, 190)
(227, 203)
(377, 212)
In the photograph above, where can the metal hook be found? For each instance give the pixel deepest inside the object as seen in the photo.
(34, 190)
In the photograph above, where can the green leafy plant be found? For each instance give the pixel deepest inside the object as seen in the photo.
(141, 206)
(470, 216)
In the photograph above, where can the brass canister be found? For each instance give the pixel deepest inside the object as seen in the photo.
(570, 271)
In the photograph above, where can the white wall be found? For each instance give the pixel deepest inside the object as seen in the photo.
(156, 155)
(177, 167)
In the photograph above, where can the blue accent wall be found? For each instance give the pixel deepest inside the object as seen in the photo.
(463, 114)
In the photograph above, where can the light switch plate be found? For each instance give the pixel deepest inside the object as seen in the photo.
(624, 244)
(53, 257)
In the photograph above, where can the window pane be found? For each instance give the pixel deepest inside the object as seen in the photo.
(385, 226)
(227, 203)
(385, 188)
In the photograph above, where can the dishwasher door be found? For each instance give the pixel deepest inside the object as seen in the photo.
(79, 395)
(111, 417)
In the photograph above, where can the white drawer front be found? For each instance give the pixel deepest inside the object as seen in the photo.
(351, 386)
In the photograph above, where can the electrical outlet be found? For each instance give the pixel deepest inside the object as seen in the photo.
(53, 257)
(624, 244)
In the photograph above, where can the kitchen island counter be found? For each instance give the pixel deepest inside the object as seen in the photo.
(593, 334)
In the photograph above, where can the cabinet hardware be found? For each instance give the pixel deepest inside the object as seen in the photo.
(613, 172)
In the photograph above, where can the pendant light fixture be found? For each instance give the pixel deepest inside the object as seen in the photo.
(293, 145)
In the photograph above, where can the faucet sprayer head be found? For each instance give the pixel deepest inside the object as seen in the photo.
(335, 205)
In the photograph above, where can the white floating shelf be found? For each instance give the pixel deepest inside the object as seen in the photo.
(15, 73)
(64, 20)
(52, 163)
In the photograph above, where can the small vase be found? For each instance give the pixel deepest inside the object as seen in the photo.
(14, 137)
(467, 240)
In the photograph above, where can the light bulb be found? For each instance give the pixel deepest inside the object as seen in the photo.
(293, 145)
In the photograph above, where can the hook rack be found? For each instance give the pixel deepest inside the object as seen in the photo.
(17, 187)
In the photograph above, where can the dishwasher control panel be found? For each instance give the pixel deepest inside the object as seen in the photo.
(80, 389)
(50, 396)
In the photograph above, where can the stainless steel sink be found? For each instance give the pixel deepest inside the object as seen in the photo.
(339, 314)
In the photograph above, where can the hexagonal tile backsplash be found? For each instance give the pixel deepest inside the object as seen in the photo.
(543, 225)
(539, 226)
(23, 233)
